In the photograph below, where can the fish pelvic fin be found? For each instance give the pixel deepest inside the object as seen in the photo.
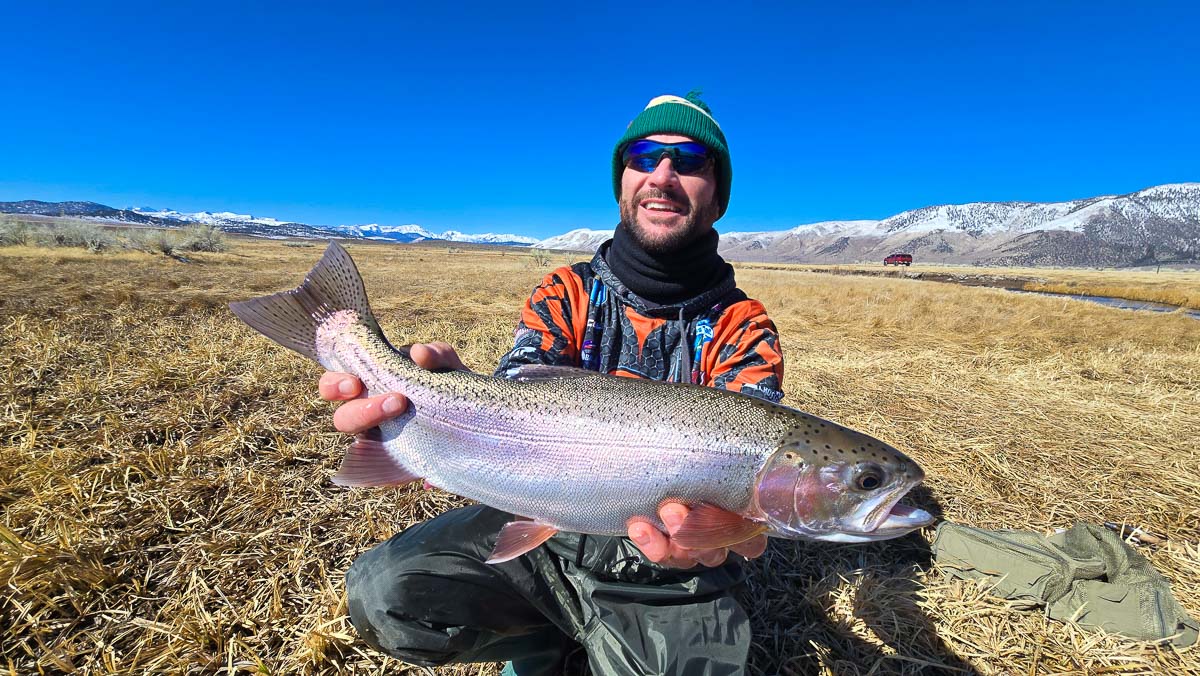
(292, 318)
(368, 463)
(518, 537)
(709, 527)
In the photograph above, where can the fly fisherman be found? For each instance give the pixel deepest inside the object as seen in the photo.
(655, 302)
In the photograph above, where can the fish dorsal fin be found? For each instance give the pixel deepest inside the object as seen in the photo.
(368, 463)
(530, 372)
(709, 527)
(518, 537)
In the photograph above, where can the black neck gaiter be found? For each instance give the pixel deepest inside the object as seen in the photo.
(667, 278)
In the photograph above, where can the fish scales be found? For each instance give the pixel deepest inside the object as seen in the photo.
(547, 446)
(582, 451)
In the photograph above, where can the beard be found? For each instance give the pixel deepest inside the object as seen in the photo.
(698, 221)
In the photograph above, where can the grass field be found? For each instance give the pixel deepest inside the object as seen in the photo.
(165, 474)
(1174, 286)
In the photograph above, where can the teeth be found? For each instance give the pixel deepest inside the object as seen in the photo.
(656, 206)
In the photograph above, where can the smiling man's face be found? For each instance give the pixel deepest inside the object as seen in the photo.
(663, 209)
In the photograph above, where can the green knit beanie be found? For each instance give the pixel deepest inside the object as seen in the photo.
(686, 116)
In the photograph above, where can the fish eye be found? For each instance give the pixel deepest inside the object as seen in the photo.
(869, 480)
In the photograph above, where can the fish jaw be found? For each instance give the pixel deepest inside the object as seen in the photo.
(898, 521)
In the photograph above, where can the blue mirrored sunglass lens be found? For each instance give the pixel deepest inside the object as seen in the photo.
(684, 164)
(643, 163)
(686, 158)
(688, 164)
(645, 147)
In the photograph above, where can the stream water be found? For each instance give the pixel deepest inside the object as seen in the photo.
(1121, 303)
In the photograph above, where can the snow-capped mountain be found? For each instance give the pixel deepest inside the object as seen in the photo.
(1155, 224)
(416, 233)
(218, 218)
(254, 226)
(581, 239)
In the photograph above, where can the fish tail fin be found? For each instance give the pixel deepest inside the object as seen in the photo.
(292, 318)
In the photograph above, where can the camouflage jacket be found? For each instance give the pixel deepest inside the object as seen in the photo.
(583, 316)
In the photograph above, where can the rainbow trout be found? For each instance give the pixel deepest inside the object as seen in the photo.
(575, 450)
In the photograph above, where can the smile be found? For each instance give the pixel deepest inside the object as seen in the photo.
(662, 205)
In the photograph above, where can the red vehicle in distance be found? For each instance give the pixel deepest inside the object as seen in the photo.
(898, 259)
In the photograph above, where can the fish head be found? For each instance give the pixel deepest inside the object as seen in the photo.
(826, 482)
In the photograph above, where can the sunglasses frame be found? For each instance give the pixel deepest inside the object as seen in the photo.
(676, 151)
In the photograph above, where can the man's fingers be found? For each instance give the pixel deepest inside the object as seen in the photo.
(711, 557)
(672, 515)
(752, 548)
(356, 416)
(650, 540)
(336, 386)
(437, 355)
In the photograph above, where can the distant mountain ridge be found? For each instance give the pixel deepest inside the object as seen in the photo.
(1156, 224)
(1161, 223)
(254, 226)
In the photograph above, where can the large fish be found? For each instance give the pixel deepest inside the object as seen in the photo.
(575, 450)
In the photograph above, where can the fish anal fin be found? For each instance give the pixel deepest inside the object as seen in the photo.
(709, 527)
(518, 537)
(368, 463)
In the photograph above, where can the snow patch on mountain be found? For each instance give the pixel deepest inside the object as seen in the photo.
(580, 239)
(416, 233)
(208, 217)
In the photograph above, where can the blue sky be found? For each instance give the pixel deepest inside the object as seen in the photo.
(501, 116)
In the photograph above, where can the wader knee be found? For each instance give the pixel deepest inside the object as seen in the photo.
(425, 596)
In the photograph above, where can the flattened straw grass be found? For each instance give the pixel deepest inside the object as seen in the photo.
(165, 473)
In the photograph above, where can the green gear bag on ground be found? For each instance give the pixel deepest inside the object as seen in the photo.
(1086, 574)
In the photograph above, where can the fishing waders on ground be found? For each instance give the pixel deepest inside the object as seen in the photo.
(426, 597)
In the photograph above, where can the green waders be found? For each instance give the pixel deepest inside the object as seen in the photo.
(426, 597)
(1086, 574)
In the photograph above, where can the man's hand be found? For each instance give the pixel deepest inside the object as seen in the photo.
(361, 413)
(659, 548)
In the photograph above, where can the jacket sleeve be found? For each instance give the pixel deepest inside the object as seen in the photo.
(547, 331)
(744, 355)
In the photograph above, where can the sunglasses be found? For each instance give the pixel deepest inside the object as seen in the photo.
(644, 155)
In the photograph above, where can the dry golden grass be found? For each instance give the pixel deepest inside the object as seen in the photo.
(165, 473)
(1178, 287)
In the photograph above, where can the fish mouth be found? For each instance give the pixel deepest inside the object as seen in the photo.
(904, 519)
(890, 519)
(889, 516)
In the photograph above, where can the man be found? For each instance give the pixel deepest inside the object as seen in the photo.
(657, 302)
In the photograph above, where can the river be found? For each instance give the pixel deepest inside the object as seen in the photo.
(1122, 303)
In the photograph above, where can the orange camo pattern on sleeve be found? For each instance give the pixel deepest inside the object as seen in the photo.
(744, 350)
(557, 309)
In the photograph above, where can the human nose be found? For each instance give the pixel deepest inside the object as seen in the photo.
(664, 173)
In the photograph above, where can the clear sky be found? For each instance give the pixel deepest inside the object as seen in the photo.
(501, 117)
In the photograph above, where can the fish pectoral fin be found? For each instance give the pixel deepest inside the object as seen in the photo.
(709, 527)
(368, 463)
(518, 537)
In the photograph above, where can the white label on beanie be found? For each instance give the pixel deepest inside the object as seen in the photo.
(668, 98)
